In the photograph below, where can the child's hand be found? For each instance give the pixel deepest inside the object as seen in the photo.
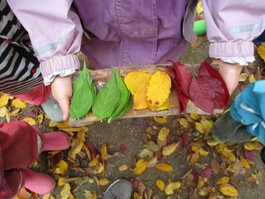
(230, 74)
(62, 92)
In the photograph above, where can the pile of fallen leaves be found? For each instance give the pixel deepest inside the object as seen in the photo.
(208, 169)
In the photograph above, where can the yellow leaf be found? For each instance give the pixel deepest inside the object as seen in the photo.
(4, 100)
(160, 120)
(99, 168)
(203, 152)
(251, 78)
(47, 196)
(199, 127)
(63, 167)
(3, 111)
(261, 52)
(152, 162)
(245, 163)
(94, 162)
(195, 116)
(139, 99)
(40, 118)
(184, 122)
(134, 79)
(199, 8)
(223, 180)
(228, 190)
(61, 181)
(140, 166)
(123, 167)
(251, 146)
(19, 103)
(243, 77)
(227, 152)
(171, 187)
(103, 151)
(137, 196)
(195, 156)
(160, 184)
(66, 192)
(162, 107)
(158, 89)
(89, 195)
(207, 125)
(164, 167)
(103, 182)
(167, 150)
(77, 145)
(163, 133)
(30, 121)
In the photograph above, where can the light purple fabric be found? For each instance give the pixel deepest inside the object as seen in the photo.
(139, 32)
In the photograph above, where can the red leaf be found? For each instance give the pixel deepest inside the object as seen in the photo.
(123, 148)
(249, 155)
(206, 173)
(201, 93)
(92, 149)
(218, 85)
(181, 79)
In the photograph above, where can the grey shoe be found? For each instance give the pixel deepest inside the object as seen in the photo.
(119, 189)
(226, 129)
(52, 109)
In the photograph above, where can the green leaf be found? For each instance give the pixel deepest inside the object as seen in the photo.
(82, 98)
(107, 99)
(124, 99)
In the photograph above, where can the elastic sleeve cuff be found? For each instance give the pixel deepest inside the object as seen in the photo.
(59, 65)
(231, 49)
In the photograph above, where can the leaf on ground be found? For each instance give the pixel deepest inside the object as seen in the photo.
(4, 100)
(261, 52)
(66, 192)
(227, 152)
(252, 146)
(163, 134)
(103, 181)
(228, 190)
(160, 120)
(160, 184)
(19, 103)
(62, 167)
(3, 111)
(164, 167)
(77, 145)
(140, 166)
(168, 150)
(89, 195)
(223, 180)
(123, 167)
(171, 187)
(30, 121)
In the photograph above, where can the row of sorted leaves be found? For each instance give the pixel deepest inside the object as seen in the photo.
(207, 90)
(111, 102)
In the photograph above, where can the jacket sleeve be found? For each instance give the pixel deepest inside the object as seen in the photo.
(55, 32)
(231, 28)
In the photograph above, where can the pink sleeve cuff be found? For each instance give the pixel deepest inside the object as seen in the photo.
(231, 49)
(62, 66)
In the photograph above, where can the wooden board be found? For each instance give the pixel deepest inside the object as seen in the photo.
(101, 77)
